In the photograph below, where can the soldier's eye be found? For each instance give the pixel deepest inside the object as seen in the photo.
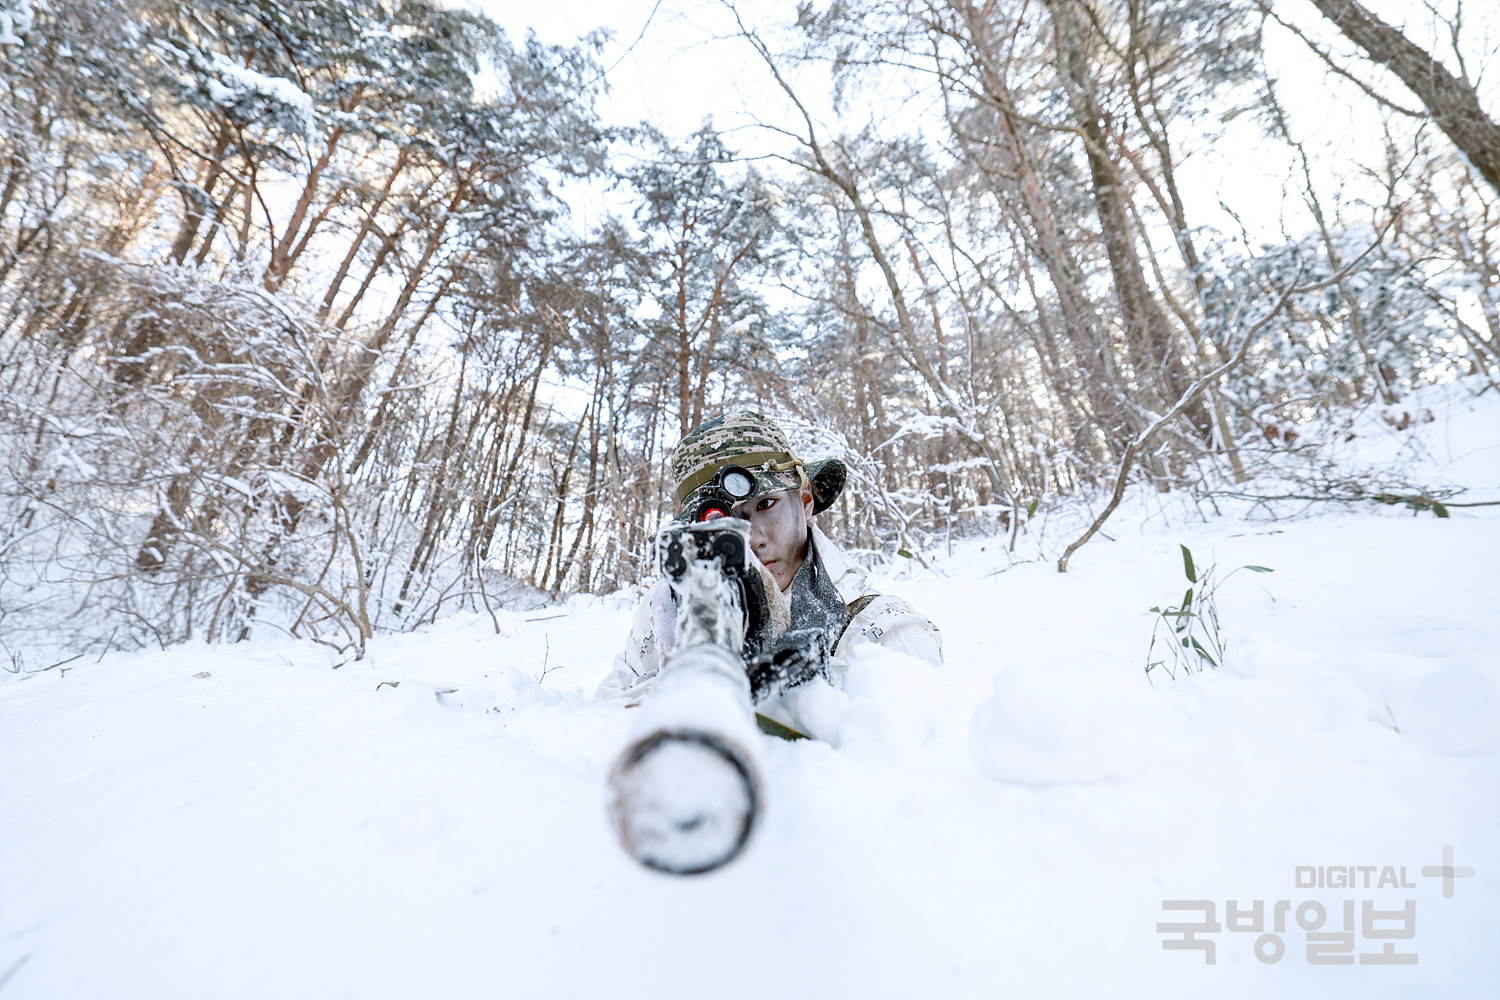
(766, 503)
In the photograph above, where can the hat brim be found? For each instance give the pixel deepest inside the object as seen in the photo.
(826, 480)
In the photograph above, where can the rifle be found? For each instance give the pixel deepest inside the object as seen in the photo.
(686, 790)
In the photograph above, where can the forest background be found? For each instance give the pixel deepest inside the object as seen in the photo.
(334, 316)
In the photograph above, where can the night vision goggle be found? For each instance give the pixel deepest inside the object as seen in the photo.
(717, 497)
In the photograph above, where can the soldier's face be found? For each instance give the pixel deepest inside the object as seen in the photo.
(778, 530)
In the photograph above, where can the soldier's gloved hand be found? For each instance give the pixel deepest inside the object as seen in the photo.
(796, 657)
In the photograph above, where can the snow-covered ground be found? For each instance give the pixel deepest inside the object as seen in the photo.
(252, 821)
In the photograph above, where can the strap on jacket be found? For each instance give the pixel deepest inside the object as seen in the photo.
(855, 607)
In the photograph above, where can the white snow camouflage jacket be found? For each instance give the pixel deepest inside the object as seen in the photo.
(883, 619)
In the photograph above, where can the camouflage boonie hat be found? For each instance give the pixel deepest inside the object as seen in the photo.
(752, 441)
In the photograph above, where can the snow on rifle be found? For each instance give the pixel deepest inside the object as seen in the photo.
(687, 792)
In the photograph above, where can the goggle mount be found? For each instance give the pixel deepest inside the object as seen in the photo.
(717, 497)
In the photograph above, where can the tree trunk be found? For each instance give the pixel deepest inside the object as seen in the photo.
(1453, 102)
(359, 238)
(1080, 320)
(503, 490)
(192, 219)
(586, 525)
(1154, 346)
